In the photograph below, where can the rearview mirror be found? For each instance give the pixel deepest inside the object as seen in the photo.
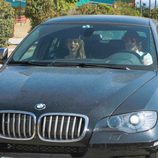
(3, 54)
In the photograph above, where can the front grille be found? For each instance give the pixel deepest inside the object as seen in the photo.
(62, 127)
(17, 125)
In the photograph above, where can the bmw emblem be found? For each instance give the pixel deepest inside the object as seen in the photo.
(40, 106)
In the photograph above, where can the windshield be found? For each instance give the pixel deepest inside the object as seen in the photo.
(108, 44)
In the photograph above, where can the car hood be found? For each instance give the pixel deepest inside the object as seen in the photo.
(90, 91)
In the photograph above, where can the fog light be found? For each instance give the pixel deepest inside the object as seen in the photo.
(114, 122)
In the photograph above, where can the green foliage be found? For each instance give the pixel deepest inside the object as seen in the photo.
(154, 14)
(19, 11)
(40, 10)
(63, 7)
(145, 12)
(126, 1)
(119, 8)
(71, 1)
(6, 22)
(93, 9)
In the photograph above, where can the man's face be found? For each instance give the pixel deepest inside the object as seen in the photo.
(131, 44)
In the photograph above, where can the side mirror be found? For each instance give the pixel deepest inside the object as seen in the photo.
(3, 55)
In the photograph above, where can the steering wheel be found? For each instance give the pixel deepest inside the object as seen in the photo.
(124, 58)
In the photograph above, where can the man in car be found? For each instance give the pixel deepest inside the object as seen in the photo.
(134, 44)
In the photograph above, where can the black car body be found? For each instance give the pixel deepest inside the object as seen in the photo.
(59, 107)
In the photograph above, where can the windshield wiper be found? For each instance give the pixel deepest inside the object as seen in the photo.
(30, 63)
(63, 62)
(114, 66)
(67, 63)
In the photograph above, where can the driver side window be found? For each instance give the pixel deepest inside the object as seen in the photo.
(30, 51)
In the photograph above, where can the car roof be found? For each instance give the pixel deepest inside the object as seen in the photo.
(119, 19)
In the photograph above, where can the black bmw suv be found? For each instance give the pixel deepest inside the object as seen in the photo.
(82, 86)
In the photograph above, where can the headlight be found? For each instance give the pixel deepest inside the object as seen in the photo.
(130, 122)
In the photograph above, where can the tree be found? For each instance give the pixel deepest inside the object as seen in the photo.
(119, 8)
(71, 1)
(63, 7)
(122, 8)
(6, 22)
(154, 14)
(93, 9)
(40, 10)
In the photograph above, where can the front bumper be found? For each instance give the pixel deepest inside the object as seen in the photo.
(93, 151)
(101, 144)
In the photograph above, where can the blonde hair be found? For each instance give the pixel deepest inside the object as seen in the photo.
(81, 49)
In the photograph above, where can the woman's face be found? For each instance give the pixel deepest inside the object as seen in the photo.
(73, 45)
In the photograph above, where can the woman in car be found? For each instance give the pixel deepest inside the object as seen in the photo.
(76, 49)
